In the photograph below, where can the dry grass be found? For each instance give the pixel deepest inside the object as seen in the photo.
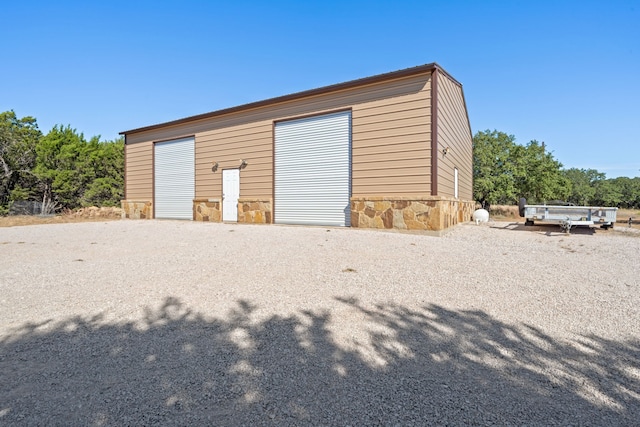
(622, 218)
(625, 214)
(81, 215)
(504, 212)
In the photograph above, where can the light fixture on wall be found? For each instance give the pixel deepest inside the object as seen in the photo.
(214, 166)
(445, 151)
(243, 163)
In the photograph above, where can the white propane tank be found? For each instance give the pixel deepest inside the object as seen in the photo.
(480, 215)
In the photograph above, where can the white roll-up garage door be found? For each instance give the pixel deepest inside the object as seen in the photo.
(313, 170)
(174, 178)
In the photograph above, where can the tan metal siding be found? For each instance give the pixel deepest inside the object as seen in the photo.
(391, 145)
(139, 176)
(379, 94)
(385, 187)
(390, 127)
(227, 146)
(454, 132)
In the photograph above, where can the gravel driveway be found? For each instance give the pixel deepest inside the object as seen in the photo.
(183, 323)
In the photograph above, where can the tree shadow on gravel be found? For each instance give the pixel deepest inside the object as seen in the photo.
(407, 367)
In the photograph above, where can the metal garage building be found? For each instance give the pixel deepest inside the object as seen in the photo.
(388, 151)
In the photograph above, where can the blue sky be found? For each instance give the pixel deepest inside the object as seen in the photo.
(563, 72)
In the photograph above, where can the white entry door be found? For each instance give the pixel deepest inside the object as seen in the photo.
(230, 194)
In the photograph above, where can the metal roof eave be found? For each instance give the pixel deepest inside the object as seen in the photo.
(297, 95)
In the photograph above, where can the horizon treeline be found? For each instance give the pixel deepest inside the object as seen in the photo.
(504, 171)
(60, 169)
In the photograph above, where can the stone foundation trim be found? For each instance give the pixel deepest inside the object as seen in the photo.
(431, 213)
(254, 211)
(207, 210)
(137, 209)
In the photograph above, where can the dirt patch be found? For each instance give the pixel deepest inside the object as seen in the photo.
(92, 213)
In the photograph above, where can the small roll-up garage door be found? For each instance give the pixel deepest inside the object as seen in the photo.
(174, 178)
(313, 170)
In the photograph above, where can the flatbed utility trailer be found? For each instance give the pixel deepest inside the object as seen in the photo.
(567, 216)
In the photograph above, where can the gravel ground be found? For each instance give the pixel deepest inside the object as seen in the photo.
(183, 323)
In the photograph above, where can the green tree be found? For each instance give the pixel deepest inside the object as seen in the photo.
(61, 169)
(583, 182)
(494, 167)
(504, 171)
(59, 159)
(538, 175)
(634, 193)
(18, 139)
(106, 160)
(629, 189)
(607, 193)
(74, 172)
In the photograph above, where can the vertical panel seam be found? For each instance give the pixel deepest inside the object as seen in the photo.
(434, 132)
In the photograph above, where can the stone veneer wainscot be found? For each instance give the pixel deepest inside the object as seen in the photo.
(432, 213)
(137, 209)
(207, 210)
(254, 211)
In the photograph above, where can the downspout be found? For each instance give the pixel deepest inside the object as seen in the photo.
(434, 132)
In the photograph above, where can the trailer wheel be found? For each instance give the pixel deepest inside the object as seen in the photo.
(528, 223)
(521, 204)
